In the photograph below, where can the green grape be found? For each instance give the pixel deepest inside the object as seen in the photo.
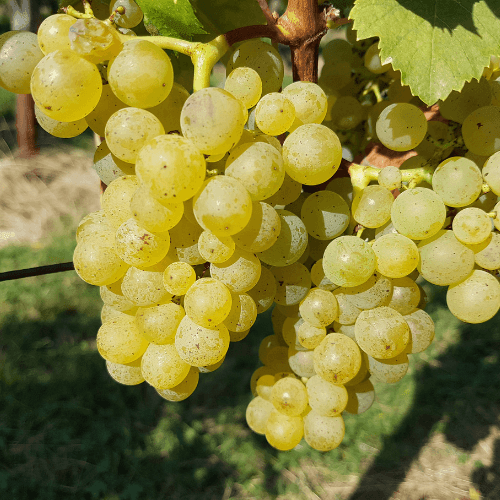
(397, 255)
(488, 257)
(64, 130)
(112, 296)
(293, 283)
(291, 242)
(120, 341)
(457, 181)
(162, 367)
(347, 113)
(264, 291)
(390, 177)
(491, 172)
(310, 336)
(107, 105)
(97, 262)
(184, 247)
(348, 261)
(343, 187)
(108, 166)
(335, 76)
(222, 206)
(140, 247)
(178, 277)
(213, 119)
(261, 57)
(131, 17)
(444, 260)
(284, 432)
(382, 332)
(274, 114)
(243, 313)
(262, 230)
(200, 346)
(348, 312)
(19, 55)
(325, 398)
(460, 104)
(288, 192)
(214, 248)
(372, 117)
(183, 389)
(53, 33)
(305, 167)
(296, 206)
(239, 273)
(337, 359)
(94, 40)
(257, 414)
(289, 396)
(127, 374)
(127, 78)
(405, 295)
(418, 213)
(115, 201)
(437, 132)
(144, 288)
(245, 84)
(323, 433)
(169, 110)
(318, 277)
(481, 131)
(374, 292)
(128, 130)
(421, 330)
(401, 126)
(93, 224)
(373, 62)
(325, 214)
(372, 207)
(65, 86)
(319, 308)
(475, 299)
(388, 371)
(171, 167)
(258, 166)
(337, 50)
(153, 215)
(471, 226)
(158, 324)
(397, 92)
(360, 397)
(309, 101)
(207, 302)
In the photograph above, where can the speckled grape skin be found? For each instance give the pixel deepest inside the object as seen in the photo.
(169, 110)
(162, 366)
(115, 201)
(376, 291)
(310, 336)
(141, 75)
(471, 226)
(144, 288)
(319, 307)
(289, 396)
(120, 341)
(257, 414)
(360, 397)
(323, 433)
(63, 130)
(159, 324)
(390, 370)
(65, 86)
(184, 242)
(326, 399)
(293, 283)
(112, 295)
(214, 248)
(53, 33)
(19, 54)
(405, 295)
(382, 332)
(243, 313)
(284, 432)
(274, 114)
(184, 389)
(128, 374)
(264, 291)
(488, 256)
(348, 312)
(128, 130)
(178, 277)
(482, 140)
(421, 330)
(372, 207)
(201, 346)
(245, 84)
(397, 255)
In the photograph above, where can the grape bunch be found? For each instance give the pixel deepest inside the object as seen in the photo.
(226, 202)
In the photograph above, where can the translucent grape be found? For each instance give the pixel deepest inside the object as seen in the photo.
(213, 119)
(214, 248)
(108, 104)
(131, 17)
(471, 226)
(382, 332)
(373, 62)
(169, 110)
(301, 361)
(390, 177)
(418, 213)
(112, 296)
(325, 214)
(289, 396)
(405, 295)
(318, 277)
(325, 398)
(200, 346)
(457, 181)
(390, 370)
(178, 278)
(397, 255)
(116, 199)
(144, 288)
(401, 126)
(65, 86)
(245, 84)
(481, 131)
(182, 390)
(348, 312)
(310, 336)
(274, 114)
(56, 128)
(243, 313)
(312, 154)
(257, 414)
(264, 291)
(444, 260)
(489, 256)
(421, 330)
(372, 207)
(141, 75)
(319, 308)
(171, 167)
(127, 374)
(128, 130)
(335, 77)
(347, 113)
(374, 292)
(290, 328)
(162, 366)
(120, 341)
(323, 433)
(108, 166)
(158, 324)
(259, 167)
(184, 247)
(53, 33)
(293, 283)
(284, 432)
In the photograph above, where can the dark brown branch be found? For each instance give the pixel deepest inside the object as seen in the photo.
(37, 271)
(256, 31)
(266, 11)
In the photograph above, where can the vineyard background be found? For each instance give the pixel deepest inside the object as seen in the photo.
(68, 431)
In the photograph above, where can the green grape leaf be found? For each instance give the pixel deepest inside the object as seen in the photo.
(437, 45)
(175, 18)
(221, 16)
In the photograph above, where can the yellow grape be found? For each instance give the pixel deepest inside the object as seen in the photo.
(158, 324)
(319, 308)
(289, 396)
(245, 84)
(169, 110)
(325, 398)
(214, 248)
(115, 201)
(264, 291)
(178, 278)
(242, 315)
(293, 283)
(374, 292)
(257, 414)
(108, 104)
(144, 288)
(323, 433)
(183, 389)
(405, 295)
(64, 130)
(310, 336)
(372, 207)
(390, 370)
(162, 367)
(421, 330)
(284, 432)
(397, 255)
(127, 374)
(108, 166)
(53, 33)
(274, 114)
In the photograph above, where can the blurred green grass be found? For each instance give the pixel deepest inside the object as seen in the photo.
(67, 430)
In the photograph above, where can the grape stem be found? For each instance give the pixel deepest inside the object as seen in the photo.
(71, 11)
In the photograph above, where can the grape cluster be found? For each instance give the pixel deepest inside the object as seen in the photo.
(223, 203)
